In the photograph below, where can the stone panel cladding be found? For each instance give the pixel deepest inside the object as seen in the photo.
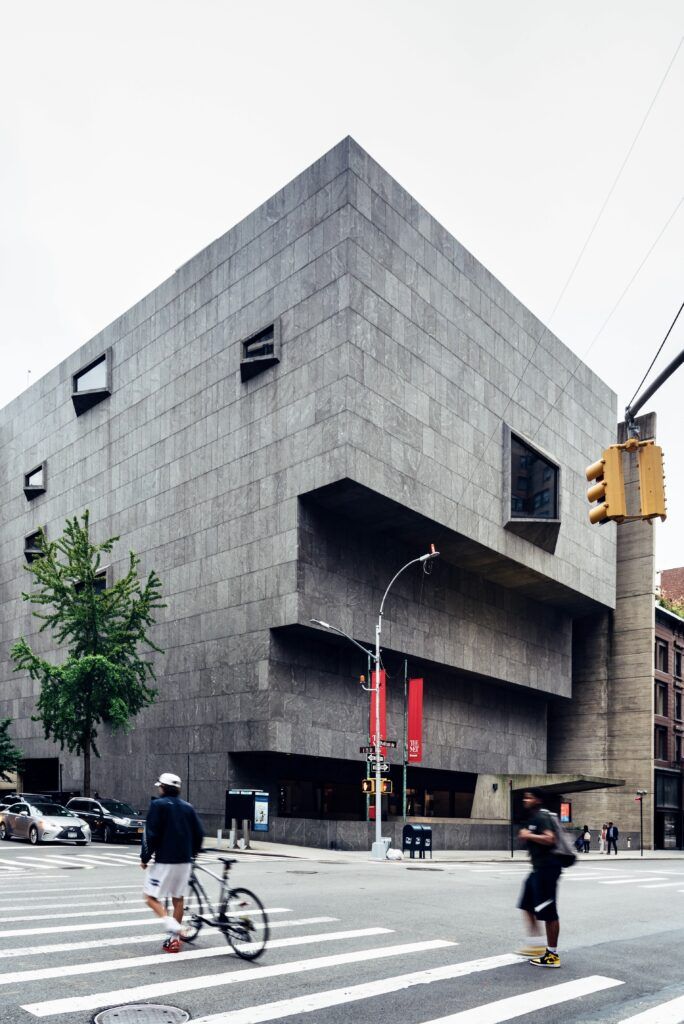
(451, 617)
(400, 355)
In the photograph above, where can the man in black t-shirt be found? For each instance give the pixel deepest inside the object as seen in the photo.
(538, 896)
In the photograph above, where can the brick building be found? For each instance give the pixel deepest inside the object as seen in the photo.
(668, 729)
(672, 584)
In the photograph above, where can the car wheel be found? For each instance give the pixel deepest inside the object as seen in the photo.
(108, 834)
(4, 834)
(34, 837)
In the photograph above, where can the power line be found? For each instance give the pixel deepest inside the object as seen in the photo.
(660, 349)
(545, 329)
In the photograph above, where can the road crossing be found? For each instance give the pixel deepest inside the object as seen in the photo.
(68, 951)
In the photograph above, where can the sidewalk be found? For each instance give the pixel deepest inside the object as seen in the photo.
(308, 853)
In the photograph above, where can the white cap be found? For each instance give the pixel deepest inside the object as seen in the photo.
(168, 779)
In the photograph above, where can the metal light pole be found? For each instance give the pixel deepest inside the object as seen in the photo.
(378, 851)
(641, 793)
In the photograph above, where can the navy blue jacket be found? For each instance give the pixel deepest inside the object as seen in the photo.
(173, 832)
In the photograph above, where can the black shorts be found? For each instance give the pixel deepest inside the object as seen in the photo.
(538, 894)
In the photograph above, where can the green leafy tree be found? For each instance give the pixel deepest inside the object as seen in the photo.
(103, 677)
(10, 756)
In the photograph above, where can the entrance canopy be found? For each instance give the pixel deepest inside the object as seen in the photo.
(564, 783)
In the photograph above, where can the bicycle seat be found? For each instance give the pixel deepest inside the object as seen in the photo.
(228, 860)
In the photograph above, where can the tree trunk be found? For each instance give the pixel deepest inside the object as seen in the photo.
(86, 770)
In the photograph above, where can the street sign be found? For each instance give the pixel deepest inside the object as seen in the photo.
(384, 767)
(366, 750)
(389, 743)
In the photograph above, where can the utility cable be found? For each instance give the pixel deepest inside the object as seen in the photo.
(545, 329)
(660, 349)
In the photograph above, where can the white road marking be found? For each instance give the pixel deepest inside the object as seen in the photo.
(94, 926)
(633, 881)
(102, 966)
(671, 1012)
(526, 1002)
(127, 995)
(354, 993)
(34, 862)
(131, 940)
(66, 890)
(660, 885)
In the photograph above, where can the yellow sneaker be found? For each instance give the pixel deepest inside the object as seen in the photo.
(547, 960)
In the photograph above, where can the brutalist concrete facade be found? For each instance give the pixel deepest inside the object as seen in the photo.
(297, 494)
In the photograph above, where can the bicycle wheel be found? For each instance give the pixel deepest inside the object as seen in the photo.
(194, 912)
(244, 924)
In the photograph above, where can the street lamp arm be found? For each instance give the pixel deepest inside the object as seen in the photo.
(336, 629)
(414, 561)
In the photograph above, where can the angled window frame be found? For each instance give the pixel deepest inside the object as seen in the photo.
(31, 552)
(32, 491)
(539, 530)
(86, 398)
(260, 351)
(104, 573)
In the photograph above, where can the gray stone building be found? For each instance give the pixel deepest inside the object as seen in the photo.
(303, 407)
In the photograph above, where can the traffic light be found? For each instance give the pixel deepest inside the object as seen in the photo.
(368, 786)
(608, 488)
(386, 786)
(651, 481)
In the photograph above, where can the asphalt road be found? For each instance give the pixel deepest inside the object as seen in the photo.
(351, 942)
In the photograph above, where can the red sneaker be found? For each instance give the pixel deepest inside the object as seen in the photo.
(172, 944)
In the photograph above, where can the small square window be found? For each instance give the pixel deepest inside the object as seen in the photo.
(92, 383)
(35, 482)
(31, 548)
(260, 351)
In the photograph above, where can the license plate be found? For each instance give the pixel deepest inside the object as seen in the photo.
(71, 835)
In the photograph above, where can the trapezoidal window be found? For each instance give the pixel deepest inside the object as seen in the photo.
(92, 383)
(35, 482)
(260, 351)
(530, 492)
(31, 545)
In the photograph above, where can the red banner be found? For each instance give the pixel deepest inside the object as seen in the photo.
(415, 720)
(381, 693)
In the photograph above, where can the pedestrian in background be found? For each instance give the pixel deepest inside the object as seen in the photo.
(602, 838)
(173, 836)
(586, 839)
(538, 897)
(612, 836)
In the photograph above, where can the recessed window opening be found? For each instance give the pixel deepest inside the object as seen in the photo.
(35, 482)
(661, 743)
(661, 655)
(260, 351)
(99, 581)
(92, 383)
(31, 549)
(534, 483)
(661, 700)
(678, 664)
(260, 345)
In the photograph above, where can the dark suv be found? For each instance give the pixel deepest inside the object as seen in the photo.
(109, 820)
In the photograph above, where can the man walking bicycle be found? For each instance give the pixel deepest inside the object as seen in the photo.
(173, 836)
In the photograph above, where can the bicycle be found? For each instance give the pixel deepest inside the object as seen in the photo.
(238, 914)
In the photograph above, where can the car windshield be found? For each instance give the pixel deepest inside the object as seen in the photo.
(53, 811)
(116, 807)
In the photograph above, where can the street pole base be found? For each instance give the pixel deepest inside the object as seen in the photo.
(379, 851)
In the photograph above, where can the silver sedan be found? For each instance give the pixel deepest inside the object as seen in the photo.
(43, 823)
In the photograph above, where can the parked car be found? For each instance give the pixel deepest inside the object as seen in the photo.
(43, 822)
(109, 820)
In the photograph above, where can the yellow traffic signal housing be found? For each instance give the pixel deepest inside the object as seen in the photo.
(651, 481)
(368, 786)
(387, 786)
(608, 488)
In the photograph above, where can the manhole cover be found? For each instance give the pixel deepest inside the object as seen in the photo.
(142, 1013)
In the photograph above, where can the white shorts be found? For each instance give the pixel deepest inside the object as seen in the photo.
(167, 880)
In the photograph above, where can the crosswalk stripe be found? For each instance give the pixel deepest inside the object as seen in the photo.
(133, 922)
(103, 912)
(72, 904)
(671, 1012)
(633, 881)
(131, 940)
(118, 996)
(660, 885)
(34, 862)
(354, 993)
(103, 966)
(522, 1005)
(66, 890)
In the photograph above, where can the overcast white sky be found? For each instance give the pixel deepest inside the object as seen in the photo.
(132, 134)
